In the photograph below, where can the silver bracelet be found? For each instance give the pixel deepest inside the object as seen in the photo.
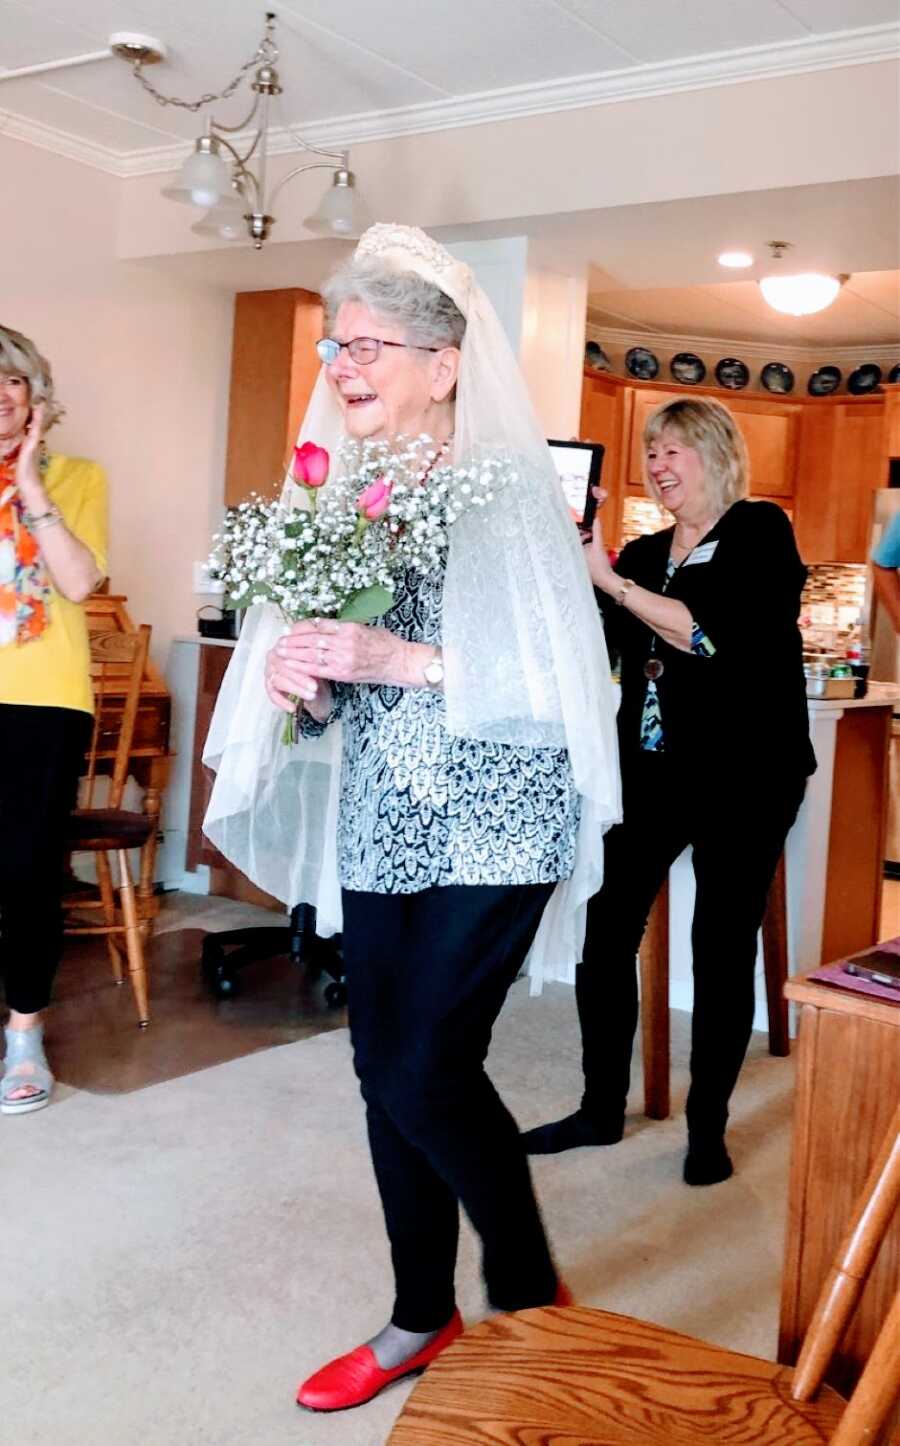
(45, 519)
(624, 590)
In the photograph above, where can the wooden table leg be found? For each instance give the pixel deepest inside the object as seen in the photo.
(654, 957)
(775, 958)
(146, 899)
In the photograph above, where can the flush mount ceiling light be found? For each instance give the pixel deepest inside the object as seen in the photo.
(800, 294)
(735, 259)
(219, 179)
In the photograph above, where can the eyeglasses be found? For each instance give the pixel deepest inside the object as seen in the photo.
(362, 349)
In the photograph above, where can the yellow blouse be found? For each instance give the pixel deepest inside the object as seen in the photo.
(53, 671)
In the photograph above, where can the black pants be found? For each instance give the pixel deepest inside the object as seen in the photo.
(41, 753)
(427, 975)
(737, 827)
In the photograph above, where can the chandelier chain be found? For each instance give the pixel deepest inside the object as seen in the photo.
(266, 54)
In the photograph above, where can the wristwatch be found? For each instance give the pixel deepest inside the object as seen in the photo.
(433, 672)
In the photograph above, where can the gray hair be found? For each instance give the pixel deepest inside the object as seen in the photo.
(426, 314)
(19, 357)
(708, 426)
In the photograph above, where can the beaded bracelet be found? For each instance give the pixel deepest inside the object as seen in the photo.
(45, 519)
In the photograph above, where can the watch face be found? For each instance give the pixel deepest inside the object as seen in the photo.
(434, 672)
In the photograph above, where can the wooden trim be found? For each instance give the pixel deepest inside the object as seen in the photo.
(790, 1334)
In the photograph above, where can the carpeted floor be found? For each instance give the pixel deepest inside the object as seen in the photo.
(176, 1257)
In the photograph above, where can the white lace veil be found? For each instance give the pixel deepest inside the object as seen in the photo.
(524, 652)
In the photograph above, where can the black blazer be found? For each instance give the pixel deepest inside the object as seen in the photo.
(745, 707)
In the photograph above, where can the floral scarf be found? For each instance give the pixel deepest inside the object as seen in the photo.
(24, 584)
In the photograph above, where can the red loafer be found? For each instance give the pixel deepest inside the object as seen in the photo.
(353, 1379)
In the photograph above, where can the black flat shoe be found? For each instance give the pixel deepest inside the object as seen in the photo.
(707, 1163)
(572, 1133)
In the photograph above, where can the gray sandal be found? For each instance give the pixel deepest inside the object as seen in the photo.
(26, 1068)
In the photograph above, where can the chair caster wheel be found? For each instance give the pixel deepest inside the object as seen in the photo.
(335, 995)
(220, 981)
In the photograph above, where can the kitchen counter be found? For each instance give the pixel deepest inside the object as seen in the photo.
(879, 695)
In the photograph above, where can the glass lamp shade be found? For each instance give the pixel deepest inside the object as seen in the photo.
(203, 180)
(799, 295)
(341, 211)
(227, 221)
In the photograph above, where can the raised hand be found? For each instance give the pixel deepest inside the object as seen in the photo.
(28, 476)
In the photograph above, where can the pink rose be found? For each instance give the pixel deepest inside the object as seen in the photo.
(374, 500)
(310, 465)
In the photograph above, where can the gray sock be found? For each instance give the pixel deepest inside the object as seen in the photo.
(392, 1346)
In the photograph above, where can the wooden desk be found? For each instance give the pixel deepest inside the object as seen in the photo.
(848, 1084)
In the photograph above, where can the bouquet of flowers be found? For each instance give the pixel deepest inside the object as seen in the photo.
(386, 510)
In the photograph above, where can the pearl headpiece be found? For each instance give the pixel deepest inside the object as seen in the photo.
(408, 248)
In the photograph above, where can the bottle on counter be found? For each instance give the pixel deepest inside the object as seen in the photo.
(857, 655)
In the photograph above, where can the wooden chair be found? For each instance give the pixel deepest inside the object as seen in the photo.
(654, 957)
(118, 663)
(589, 1377)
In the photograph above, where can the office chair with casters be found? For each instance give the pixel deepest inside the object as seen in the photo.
(225, 954)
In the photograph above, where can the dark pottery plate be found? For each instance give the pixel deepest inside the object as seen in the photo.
(641, 363)
(687, 368)
(824, 381)
(864, 379)
(776, 377)
(595, 357)
(732, 373)
(894, 373)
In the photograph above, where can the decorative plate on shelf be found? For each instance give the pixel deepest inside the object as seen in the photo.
(595, 357)
(824, 381)
(687, 368)
(776, 377)
(864, 379)
(732, 373)
(641, 363)
(894, 373)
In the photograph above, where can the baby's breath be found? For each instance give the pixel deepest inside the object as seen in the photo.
(314, 563)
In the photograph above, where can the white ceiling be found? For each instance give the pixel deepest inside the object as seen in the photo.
(351, 58)
(412, 62)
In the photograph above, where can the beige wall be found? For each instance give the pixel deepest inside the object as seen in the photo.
(831, 125)
(141, 361)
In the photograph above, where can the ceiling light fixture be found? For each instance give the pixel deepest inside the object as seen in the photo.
(218, 178)
(735, 259)
(800, 294)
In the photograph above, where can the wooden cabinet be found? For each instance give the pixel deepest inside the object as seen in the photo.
(273, 370)
(841, 461)
(848, 1083)
(769, 430)
(822, 458)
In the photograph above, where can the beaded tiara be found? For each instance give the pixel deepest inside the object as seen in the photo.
(408, 248)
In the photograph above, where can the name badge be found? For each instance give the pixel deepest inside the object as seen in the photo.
(700, 554)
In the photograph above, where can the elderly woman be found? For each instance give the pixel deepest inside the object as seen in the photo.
(715, 752)
(478, 775)
(52, 555)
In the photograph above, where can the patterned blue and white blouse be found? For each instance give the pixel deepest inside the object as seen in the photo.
(420, 808)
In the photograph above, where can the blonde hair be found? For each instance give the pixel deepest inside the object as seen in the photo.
(19, 357)
(710, 428)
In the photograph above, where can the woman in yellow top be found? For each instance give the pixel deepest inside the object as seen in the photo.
(52, 555)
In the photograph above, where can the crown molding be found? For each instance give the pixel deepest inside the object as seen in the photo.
(62, 143)
(764, 351)
(640, 82)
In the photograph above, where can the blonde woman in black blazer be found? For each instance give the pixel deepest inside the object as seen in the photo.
(715, 753)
